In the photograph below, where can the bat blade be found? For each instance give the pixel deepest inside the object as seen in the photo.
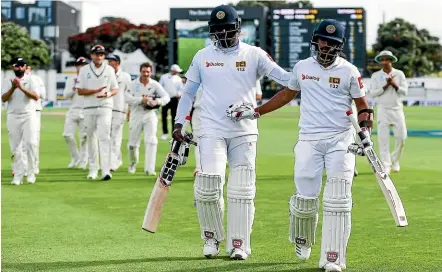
(156, 202)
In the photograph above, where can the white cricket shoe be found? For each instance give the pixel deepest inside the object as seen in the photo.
(16, 181)
(395, 167)
(93, 174)
(211, 248)
(106, 176)
(238, 254)
(332, 267)
(164, 137)
(73, 164)
(37, 171)
(31, 179)
(303, 252)
(132, 169)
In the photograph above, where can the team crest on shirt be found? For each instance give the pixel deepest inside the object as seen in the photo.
(334, 82)
(88, 75)
(241, 65)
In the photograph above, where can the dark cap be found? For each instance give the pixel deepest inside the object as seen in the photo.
(19, 62)
(81, 61)
(114, 57)
(97, 49)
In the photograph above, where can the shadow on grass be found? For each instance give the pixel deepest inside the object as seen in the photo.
(230, 266)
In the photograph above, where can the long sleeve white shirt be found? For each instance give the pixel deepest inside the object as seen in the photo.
(70, 92)
(388, 98)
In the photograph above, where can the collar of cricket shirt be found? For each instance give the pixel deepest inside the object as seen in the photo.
(337, 62)
(228, 50)
(118, 73)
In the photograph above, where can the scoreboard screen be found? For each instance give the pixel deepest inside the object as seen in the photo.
(292, 30)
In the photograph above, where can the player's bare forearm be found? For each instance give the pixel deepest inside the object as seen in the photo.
(361, 103)
(86, 92)
(114, 92)
(30, 94)
(6, 96)
(277, 101)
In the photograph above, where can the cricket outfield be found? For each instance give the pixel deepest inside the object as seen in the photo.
(65, 222)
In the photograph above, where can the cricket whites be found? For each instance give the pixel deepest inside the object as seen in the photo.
(384, 180)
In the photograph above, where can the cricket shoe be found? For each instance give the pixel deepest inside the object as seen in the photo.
(37, 171)
(211, 248)
(150, 173)
(131, 169)
(31, 179)
(303, 252)
(16, 181)
(73, 164)
(332, 267)
(164, 137)
(238, 254)
(93, 174)
(395, 167)
(106, 177)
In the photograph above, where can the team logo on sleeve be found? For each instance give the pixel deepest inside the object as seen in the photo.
(361, 84)
(241, 65)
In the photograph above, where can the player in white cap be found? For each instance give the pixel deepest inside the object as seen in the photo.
(144, 96)
(21, 94)
(173, 85)
(388, 87)
(97, 83)
(227, 72)
(118, 112)
(75, 120)
(328, 84)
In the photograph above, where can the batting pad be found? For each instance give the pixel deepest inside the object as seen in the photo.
(303, 219)
(208, 197)
(336, 224)
(240, 194)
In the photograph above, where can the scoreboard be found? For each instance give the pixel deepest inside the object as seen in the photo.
(292, 30)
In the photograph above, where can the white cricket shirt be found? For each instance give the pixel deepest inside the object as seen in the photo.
(173, 84)
(70, 91)
(123, 80)
(327, 93)
(42, 91)
(228, 78)
(93, 78)
(19, 103)
(388, 98)
(197, 102)
(134, 95)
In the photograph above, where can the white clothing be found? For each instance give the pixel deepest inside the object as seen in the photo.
(123, 80)
(92, 78)
(42, 91)
(19, 103)
(173, 84)
(136, 91)
(327, 93)
(227, 78)
(388, 98)
(71, 92)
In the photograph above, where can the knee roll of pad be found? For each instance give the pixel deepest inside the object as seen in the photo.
(241, 192)
(303, 219)
(336, 226)
(208, 195)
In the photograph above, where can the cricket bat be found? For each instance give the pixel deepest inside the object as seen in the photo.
(160, 190)
(384, 180)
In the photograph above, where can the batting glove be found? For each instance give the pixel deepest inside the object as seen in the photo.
(238, 112)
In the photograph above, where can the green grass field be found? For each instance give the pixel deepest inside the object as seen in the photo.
(187, 48)
(65, 222)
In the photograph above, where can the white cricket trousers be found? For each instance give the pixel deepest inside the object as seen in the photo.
(98, 124)
(312, 156)
(21, 154)
(118, 119)
(395, 119)
(75, 120)
(22, 129)
(148, 124)
(196, 130)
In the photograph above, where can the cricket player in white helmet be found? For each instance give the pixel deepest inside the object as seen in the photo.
(21, 93)
(329, 84)
(118, 112)
(97, 83)
(75, 120)
(388, 87)
(227, 71)
(144, 96)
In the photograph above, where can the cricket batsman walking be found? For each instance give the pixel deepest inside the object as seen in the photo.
(97, 83)
(21, 93)
(118, 112)
(329, 84)
(144, 96)
(75, 119)
(388, 87)
(227, 70)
